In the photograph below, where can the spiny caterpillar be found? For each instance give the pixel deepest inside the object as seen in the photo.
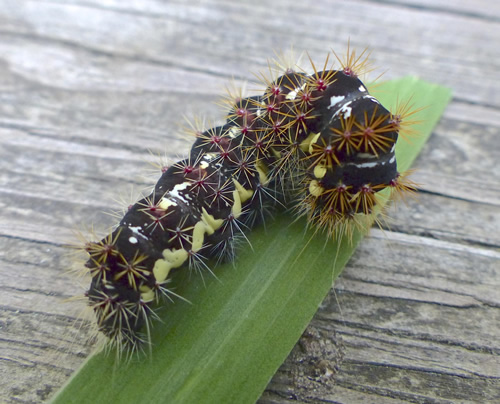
(317, 143)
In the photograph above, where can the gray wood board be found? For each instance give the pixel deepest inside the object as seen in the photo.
(88, 88)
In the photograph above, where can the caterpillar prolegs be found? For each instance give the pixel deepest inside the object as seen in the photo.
(318, 144)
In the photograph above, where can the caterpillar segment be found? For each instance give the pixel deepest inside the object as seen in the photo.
(317, 144)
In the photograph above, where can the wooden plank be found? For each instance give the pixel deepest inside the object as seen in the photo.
(87, 88)
(392, 332)
(174, 38)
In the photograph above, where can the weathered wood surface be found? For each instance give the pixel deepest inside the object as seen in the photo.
(88, 87)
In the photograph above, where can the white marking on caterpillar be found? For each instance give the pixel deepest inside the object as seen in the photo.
(367, 165)
(371, 98)
(293, 94)
(234, 132)
(366, 156)
(137, 230)
(166, 202)
(180, 187)
(346, 110)
(335, 99)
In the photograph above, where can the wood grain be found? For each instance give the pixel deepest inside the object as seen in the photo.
(87, 88)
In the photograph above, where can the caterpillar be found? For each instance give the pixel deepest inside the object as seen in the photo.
(318, 144)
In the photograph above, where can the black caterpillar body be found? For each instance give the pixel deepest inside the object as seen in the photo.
(319, 144)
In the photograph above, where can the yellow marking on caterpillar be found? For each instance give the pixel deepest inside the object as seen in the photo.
(172, 258)
(314, 139)
(306, 143)
(147, 294)
(204, 165)
(165, 203)
(315, 189)
(236, 209)
(262, 169)
(208, 224)
(211, 222)
(198, 236)
(240, 195)
(245, 194)
(275, 152)
(319, 171)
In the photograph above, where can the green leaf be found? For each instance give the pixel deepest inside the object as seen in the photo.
(227, 344)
